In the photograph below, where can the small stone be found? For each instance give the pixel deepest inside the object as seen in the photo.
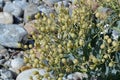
(78, 75)
(11, 35)
(27, 73)
(17, 63)
(30, 26)
(21, 3)
(30, 12)
(115, 34)
(13, 9)
(6, 18)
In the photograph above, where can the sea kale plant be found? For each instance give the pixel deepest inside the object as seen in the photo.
(87, 41)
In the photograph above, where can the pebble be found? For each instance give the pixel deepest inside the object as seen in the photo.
(17, 63)
(27, 73)
(21, 3)
(115, 34)
(76, 76)
(30, 11)
(13, 9)
(11, 34)
(30, 27)
(6, 18)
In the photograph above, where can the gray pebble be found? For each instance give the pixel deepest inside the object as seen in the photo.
(11, 34)
(30, 11)
(13, 9)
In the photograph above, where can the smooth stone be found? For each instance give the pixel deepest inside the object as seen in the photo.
(27, 73)
(17, 63)
(115, 34)
(45, 9)
(30, 11)
(76, 76)
(30, 27)
(11, 35)
(13, 9)
(21, 3)
(6, 18)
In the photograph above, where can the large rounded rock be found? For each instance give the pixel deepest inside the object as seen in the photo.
(13, 9)
(25, 75)
(6, 18)
(11, 34)
(30, 11)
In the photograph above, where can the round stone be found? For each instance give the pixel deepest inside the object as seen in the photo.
(25, 75)
(17, 63)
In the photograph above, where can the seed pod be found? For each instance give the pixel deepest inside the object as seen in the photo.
(102, 46)
(75, 61)
(109, 40)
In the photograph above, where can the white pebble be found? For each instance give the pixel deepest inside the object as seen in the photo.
(17, 63)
